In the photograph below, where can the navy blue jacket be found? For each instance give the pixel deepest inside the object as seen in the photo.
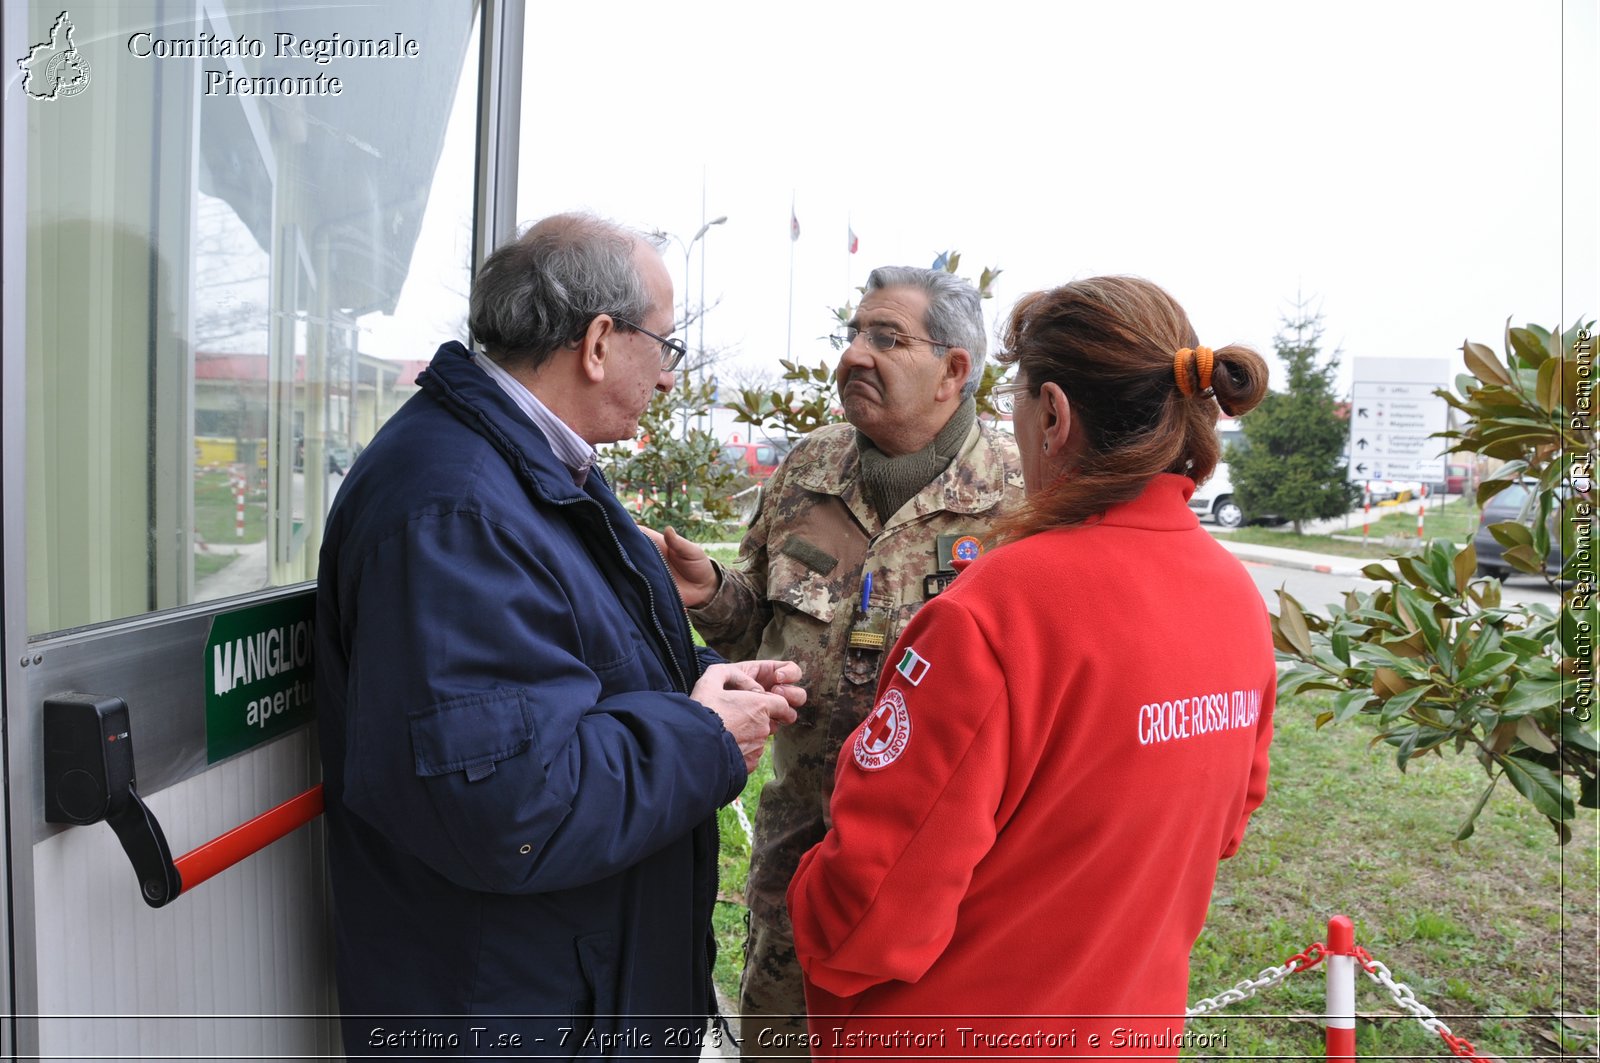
(521, 796)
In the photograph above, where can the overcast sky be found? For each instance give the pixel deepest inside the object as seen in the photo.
(1398, 164)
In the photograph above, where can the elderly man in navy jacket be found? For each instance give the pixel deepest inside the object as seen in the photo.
(523, 750)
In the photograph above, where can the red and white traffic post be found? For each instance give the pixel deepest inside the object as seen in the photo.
(1341, 966)
(1422, 507)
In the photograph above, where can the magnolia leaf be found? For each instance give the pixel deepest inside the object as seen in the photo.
(1574, 732)
(1506, 476)
(1510, 533)
(1386, 683)
(1542, 526)
(1528, 346)
(1306, 677)
(1470, 824)
(1501, 736)
(1547, 392)
(1442, 575)
(1482, 363)
(1529, 731)
(1528, 696)
(1349, 704)
(1539, 785)
(1407, 648)
(1401, 704)
(1377, 572)
(1482, 669)
(1411, 571)
(1421, 614)
(1524, 559)
(1571, 382)
(1465, 566)
(1489, 598)
(1322, 718)
(1294, 623)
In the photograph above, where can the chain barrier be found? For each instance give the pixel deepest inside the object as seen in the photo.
(1407, 1001)
(1266, 978)
(744, 822)
(1309, 957)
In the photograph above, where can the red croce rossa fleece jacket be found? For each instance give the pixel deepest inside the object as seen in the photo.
(1026, 828)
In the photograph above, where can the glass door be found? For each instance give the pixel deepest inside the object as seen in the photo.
(236, 232)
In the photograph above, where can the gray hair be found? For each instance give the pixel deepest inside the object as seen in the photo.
(955, 311)
(538, 293)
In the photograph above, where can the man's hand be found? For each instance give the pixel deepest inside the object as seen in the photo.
(752, 699)
(777, 677)
(691, 569)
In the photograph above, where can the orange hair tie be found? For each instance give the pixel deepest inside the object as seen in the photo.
(1180, 368)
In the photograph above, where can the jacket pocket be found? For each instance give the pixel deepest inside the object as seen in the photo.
(489, 813)
(595, 1021)
(471, 734)
(793, 583)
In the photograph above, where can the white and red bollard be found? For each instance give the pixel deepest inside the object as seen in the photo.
(1366, 515)
(1422, 507)
(238, 507)
(1341, 967)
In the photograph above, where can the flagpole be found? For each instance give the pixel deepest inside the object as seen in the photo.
(702, 343)
(849, 252)
(788, 348)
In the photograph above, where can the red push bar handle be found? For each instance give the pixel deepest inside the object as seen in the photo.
(222, 852)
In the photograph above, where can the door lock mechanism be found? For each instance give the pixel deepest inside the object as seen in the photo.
(89, 777)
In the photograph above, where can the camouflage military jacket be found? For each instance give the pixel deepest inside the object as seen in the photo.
(796, 592)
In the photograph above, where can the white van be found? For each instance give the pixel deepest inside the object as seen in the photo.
(1214, 499)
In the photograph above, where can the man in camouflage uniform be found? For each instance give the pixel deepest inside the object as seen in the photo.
(857, 528)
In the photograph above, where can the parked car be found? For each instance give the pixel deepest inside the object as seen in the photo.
(1509, 505)
(338, 456)
(1457, 478)
(341, 457)
(1385, 490)
(1214, 499)
(758, 459)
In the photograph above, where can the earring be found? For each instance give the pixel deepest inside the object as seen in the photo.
(1047, 446)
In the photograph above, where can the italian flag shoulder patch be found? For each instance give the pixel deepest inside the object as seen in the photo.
(912, 667)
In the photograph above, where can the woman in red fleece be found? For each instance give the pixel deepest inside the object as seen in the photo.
(1026, 828)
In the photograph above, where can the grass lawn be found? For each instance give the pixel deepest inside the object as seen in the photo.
(215, 512)
(1392, 532)
(1496, 935)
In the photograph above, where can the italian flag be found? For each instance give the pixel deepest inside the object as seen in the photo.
(912, 667)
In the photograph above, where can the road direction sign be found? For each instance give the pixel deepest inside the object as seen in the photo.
(1393, 417)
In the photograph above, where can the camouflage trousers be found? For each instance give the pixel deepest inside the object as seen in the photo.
(772, 999)
(792, 817)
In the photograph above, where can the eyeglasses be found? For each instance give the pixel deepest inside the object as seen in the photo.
(880, 337)
(672, 351)
(1004, 396)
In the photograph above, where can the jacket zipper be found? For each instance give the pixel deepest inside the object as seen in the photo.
(649, 592)
(714, 1016)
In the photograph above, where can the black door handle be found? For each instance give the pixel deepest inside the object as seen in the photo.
(88, 766)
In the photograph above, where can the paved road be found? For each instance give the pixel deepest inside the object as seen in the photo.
(1315, 590)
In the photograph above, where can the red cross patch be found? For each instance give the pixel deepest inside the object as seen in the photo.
(883, 735)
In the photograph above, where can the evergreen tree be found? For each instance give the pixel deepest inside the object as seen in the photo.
(1292, 463)
(668, 476)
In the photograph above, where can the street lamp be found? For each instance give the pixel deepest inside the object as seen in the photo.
(688, 250)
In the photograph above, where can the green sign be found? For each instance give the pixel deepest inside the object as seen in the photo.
(258, 674)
